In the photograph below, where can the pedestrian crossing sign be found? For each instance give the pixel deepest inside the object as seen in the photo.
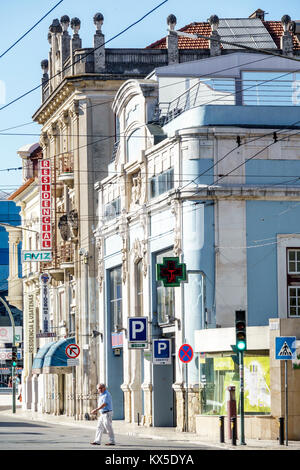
(285, 347)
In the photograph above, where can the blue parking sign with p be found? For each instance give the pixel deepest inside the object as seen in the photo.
(162, 351)
(137, 329)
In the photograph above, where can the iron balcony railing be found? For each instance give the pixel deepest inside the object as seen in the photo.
(268, 91)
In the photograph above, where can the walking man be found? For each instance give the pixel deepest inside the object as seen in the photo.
(105, 419)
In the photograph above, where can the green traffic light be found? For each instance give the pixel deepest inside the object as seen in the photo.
(241, 345)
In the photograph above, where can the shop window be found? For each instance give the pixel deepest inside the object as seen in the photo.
(115, 285)
(161, 183)
(293, 282)
(165, 296)
(217, 373)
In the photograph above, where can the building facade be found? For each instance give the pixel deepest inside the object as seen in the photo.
(151, 155)
(212, 179)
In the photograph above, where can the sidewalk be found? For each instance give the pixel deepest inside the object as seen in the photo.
(129, 429)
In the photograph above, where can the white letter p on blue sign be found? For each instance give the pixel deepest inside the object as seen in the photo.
(137, 327)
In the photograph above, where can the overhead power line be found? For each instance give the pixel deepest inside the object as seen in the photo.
(85, 55)
(27, 32)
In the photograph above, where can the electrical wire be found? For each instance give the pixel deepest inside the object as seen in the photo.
(29, 30)
(85, 55)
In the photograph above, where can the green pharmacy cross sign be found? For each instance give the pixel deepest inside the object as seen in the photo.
(171, 272)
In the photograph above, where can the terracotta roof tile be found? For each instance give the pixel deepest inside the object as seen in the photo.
(187, 43)
(274, 28)
(21, 189)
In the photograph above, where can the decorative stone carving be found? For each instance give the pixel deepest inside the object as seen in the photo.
(55, 27)
(45, 66)
(65, 22)
(73, 223)
(64, 227)
(100, 277)
(136, 189)
(98, 21)
(171, 21)
(214, 43)
(175, 210)
(137, 252)
(144, 242)
(123, 232)
(75, 25)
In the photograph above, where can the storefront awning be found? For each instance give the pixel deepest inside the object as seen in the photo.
(38, 360)
(56, 360)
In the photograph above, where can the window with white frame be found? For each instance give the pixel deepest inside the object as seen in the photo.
(161, 183)
(139, 288)
(112, 209)
(293, 281)
(115, 285)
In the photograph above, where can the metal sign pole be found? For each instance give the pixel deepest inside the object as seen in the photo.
(286, 404)
(186, 400)
(242, 441)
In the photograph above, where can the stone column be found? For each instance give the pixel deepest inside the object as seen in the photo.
(34, 403)
(99, 41)
(214, 43)
(64, 42)
(286, 41)
(172, 41)
(75, 42)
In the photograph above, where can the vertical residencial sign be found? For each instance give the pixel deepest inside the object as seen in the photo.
(45, 204)
(44, 298)
(31, 324)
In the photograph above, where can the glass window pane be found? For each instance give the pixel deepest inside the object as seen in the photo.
(115, 298)
(292, 255)
(292, 292)
(165, 296)
(293, 311)
(292, 266)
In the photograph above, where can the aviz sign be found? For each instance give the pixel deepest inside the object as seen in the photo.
(35, 255)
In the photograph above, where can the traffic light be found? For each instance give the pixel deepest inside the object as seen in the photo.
(240, 330)
(14, 356)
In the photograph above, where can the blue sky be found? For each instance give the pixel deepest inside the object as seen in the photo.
(20, 67)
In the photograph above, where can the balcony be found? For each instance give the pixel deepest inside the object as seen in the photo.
(240, 90)
(66, 169)
(66, 256)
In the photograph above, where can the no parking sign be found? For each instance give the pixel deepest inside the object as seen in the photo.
(186, 353)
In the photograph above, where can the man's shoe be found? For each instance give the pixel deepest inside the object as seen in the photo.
(95, 443)
(110, 444)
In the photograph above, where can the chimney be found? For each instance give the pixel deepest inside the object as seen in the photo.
(214, 43)
(258, 14)
(286, 41)
(172, 41)
(99, 52)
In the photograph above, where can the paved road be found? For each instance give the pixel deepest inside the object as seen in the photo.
(22, 434)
